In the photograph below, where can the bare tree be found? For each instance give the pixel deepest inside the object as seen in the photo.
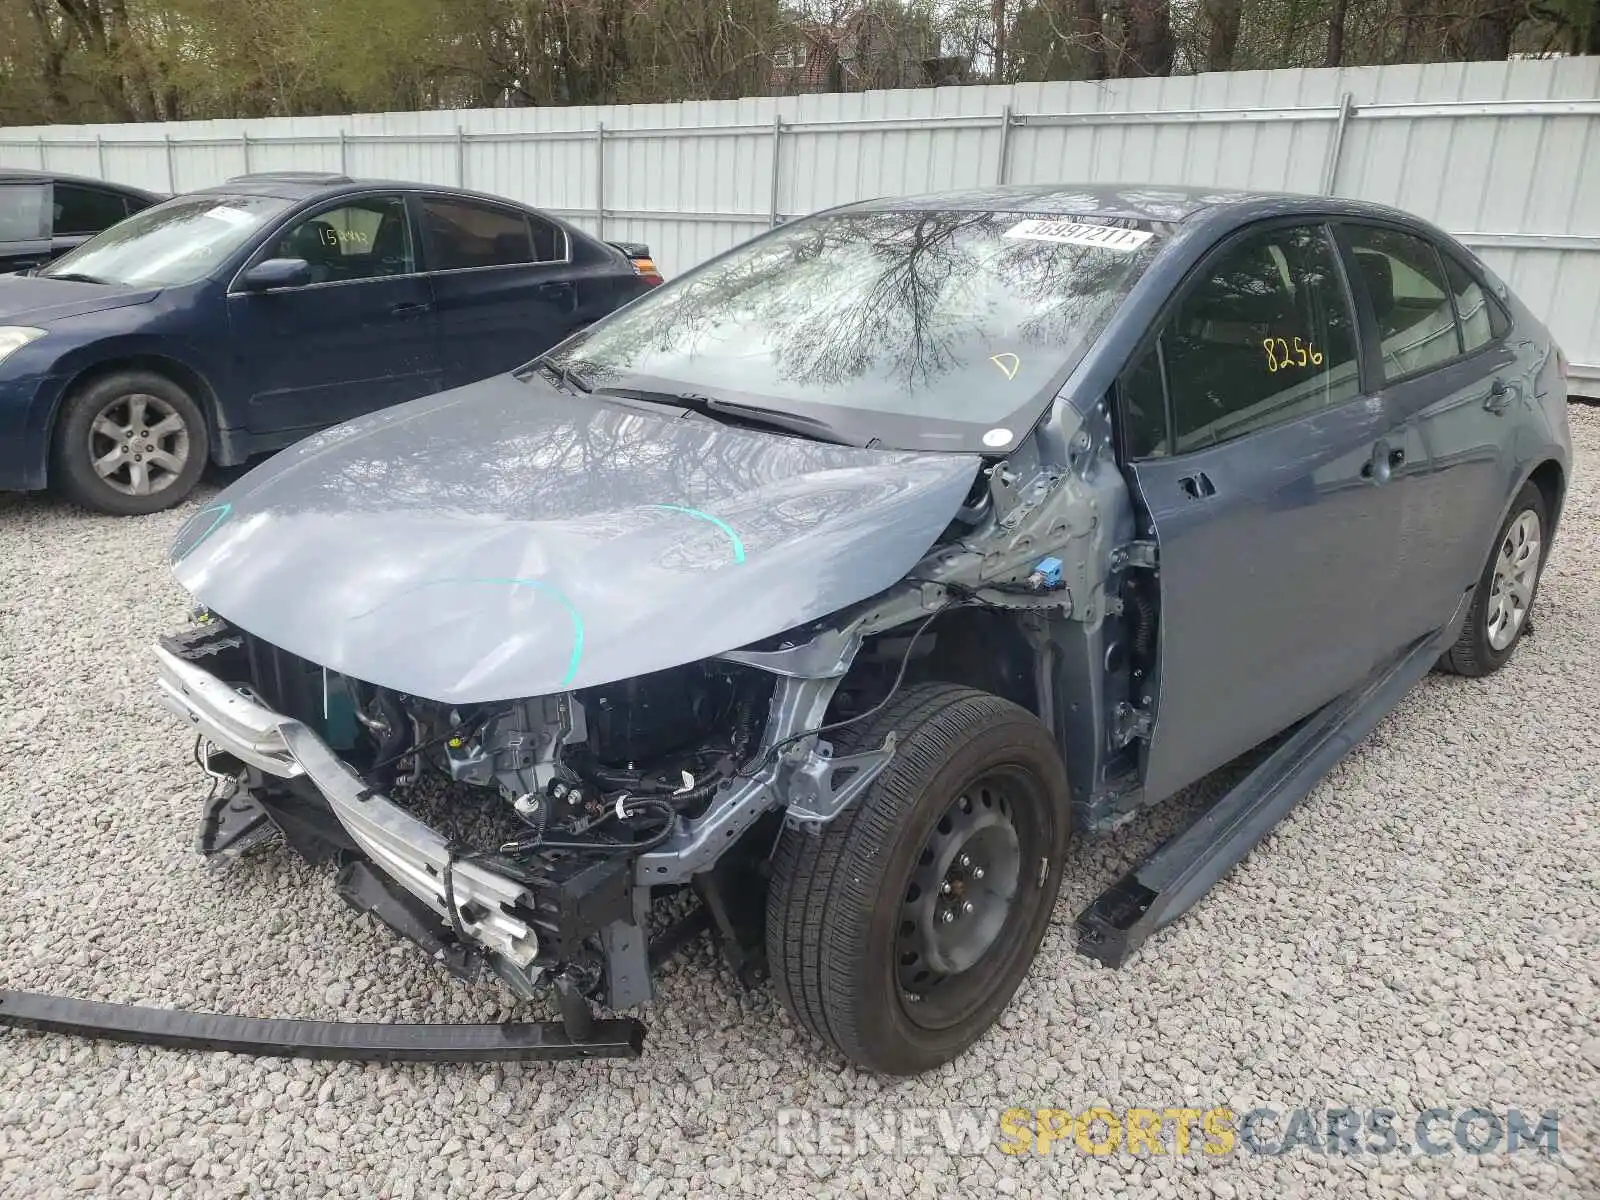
(1224, 16)
(130, 60)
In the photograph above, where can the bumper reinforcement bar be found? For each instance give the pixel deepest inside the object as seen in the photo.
(358, 1040)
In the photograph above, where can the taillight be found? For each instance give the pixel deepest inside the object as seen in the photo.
(645, 269)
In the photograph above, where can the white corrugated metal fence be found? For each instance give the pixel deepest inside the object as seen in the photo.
(1505, 155)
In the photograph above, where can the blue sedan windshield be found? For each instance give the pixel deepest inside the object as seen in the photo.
(946, 316)
(173, 243)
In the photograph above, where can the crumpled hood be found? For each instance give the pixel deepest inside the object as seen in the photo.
(506, 540)
(35, 300)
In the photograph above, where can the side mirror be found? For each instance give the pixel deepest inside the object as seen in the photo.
(276, 273)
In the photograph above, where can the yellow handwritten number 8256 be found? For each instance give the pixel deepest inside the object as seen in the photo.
(1281, 356)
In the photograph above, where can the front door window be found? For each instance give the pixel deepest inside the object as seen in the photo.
(1265, 336)
(368, 238)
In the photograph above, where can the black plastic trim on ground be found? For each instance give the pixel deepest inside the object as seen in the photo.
(357, 1040)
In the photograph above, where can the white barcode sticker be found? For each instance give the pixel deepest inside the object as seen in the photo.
(1078, 233)
(233, 216)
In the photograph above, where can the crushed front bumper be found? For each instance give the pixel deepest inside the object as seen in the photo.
(481, 905)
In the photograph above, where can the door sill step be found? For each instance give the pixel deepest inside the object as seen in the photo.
(1186, 866)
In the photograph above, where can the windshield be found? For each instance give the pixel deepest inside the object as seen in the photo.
(173, 243)
(924, 328)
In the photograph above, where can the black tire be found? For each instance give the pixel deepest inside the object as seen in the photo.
(78, 443)
(1474, 653)
(838, 905)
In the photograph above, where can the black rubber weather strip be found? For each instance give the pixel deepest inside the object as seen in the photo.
(358, 1040)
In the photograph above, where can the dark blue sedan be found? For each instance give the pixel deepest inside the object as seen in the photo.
(233, 321)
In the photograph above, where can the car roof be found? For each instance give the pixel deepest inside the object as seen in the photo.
(291, 185)
(25, 175)
(310, 185)
(1168, 203)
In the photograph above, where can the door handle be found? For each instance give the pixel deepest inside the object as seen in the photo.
(411, 308)
(1384, 460)
(1499, 398)
(1197, 486)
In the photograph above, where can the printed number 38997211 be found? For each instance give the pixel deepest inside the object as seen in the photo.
(1282, 355)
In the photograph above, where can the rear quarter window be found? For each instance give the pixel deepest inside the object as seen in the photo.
(23, 212)
(1482, 319)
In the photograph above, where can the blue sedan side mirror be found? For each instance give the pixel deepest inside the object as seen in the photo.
(276, 273)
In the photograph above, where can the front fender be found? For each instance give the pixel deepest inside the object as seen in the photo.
(26, 405)
(188, 365)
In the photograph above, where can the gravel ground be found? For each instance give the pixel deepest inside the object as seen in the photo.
(1422, 931)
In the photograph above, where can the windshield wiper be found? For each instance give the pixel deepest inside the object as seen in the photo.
(733, 412)
(564, 377)
(75, 277)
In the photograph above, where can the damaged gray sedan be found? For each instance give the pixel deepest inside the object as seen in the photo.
(817, 596)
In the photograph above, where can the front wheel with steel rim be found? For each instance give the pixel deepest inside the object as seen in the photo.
(129, 442)
(899, 931)
(1504, 594)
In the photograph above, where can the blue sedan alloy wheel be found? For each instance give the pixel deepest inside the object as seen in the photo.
(1516, 571)
(128, 443)
(1505, 592)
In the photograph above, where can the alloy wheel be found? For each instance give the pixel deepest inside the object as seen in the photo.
(1516, 572)
(139, 444)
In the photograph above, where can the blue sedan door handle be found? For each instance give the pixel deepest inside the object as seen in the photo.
(411, 308)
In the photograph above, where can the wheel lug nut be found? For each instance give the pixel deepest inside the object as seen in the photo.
(946, 888)
(949, 915)
(966, 906)
(977, 873)
(965, 860)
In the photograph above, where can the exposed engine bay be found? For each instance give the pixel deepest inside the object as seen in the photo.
(584, 781)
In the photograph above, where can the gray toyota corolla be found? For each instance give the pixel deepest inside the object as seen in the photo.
(818, 595)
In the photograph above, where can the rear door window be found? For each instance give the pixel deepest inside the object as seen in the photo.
(24, 212)
(80, 211)
(1405, 284)
(1264, 335)
(459, 235)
